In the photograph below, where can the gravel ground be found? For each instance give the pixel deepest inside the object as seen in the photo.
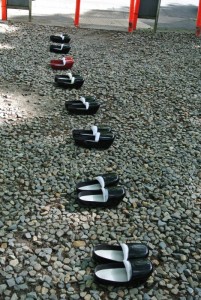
(150, 93)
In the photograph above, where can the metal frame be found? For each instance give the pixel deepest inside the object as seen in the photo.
(146, 17)
(28, 7)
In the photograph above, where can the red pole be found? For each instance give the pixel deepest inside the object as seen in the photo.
(77, 13)
(131, 15)
(4, 9)
(198, 23)
(136, 11)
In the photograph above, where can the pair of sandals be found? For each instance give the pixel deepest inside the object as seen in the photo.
(100, 192)
(96, 137)
(85, 106)
(63, 41)
(123, 264)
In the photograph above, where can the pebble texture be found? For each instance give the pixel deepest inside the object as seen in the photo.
(149, 88)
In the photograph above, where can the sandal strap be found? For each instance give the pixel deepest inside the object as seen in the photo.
(94, 129)
(105, 194)
(101, 180)
(97, 137)
(82, 99)
(62, 36)
(71, 78)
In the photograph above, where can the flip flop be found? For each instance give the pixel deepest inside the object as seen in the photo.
(105, 253)
(94, 129)
(129, 272)
(87, 108)
(98, 141)
(62, 64)
(69, 81)
(63, 38)
(64, 49)
(101, 181)
(82, 99)
(109, 197)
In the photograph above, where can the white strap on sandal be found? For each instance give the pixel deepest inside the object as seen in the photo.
(94, 129)
(64, 61)
(105, 194)
(71, 78)
(101, 181)
(125, 251)
(62, 36)
(62, 45)
(82, 99)
(97, 137)
(128, 268)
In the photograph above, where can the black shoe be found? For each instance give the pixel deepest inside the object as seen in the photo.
(64, 49)
(62, 39)
(94, 129)
(70, 81)
(131, 272)
(105, 253)
(80, 108)
(110, 197)
(101, 181)
(82, 99)
(98, 141)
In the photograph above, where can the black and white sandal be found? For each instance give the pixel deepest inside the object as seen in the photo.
(81, 100)
(101, 181)
(69, 81)
(130, 272)
(94, 129)
(64, 49)
(63, 38)
(110, 197)
(98, 141)
(105, 253)
(83, 107)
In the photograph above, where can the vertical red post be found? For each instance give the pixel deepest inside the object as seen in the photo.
(136, 11)
(131, 14)
(198, 23)
(77, 13)
(4, 9)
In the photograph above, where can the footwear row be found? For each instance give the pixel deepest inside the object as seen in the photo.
(123, 264)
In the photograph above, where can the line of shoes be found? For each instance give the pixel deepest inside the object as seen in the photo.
(85, 105)
(124, 264)
(62, 46)
(98, 137)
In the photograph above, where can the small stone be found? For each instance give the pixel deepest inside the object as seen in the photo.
(28, 235)
(14, 297)
(11, 282)
(60, 233)
(37, 267)
(3, 287)
(14, 262)
(44, 291)
(78, 244)
(162, 245)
